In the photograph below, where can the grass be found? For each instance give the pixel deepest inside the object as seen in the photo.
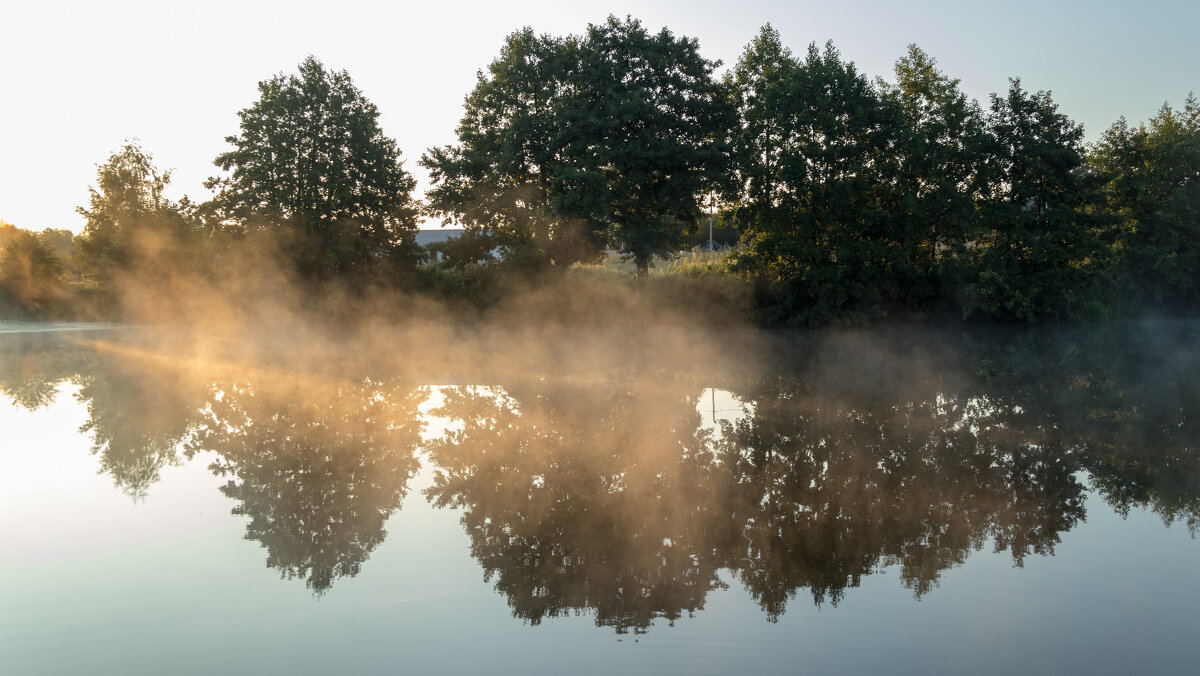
(691, 262)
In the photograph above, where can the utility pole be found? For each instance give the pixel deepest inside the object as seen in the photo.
(710, 220)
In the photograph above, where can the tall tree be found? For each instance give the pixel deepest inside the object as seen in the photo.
(611, 136)
(940, 147)
(311, 162)
(128, 218)
(497, 180)
(1152, 181)
(813, 171)
(1039, 252)
(643, 129)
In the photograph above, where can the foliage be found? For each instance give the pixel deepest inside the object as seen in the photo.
(32, 273)
(644, 136)
(854, 199)
(1152, 181)
(813, 169)
(497, 180)
(1039, 252)
(570, 143)
(129, 219)
(469, 248)
(312, 164)
(940, 149)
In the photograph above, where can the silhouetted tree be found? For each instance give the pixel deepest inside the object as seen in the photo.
(1152, 181)
(814, 167)
(312, 164)
(940, 148)
(1039, 252)
(498, 181)
(129, 220)
(611, 136)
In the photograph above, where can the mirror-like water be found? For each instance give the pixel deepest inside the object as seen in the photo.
(857, 501)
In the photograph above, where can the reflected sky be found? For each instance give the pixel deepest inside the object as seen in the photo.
(936, 498)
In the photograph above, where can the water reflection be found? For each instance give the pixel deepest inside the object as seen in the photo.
(316, 470)
(599, 497)
(832, 489)
(138, 415)
(606, 491)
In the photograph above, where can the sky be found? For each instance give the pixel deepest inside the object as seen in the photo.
(79, 78)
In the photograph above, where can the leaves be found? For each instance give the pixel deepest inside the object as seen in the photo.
(1040, 252)
(312, 161)
(570, 143)
(814, 169)
(1151, 177)
(128, 214)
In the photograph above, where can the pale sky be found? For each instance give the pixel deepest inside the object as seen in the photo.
(78, 78)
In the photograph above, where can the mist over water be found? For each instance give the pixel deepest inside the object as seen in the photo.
(590, 468)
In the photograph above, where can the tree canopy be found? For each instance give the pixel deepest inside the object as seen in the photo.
(850, 197)
(128, 214)
(1039, 249)
(940, 151)
(1151, 174)
(813, 169)
(311, 162)
(570, 143)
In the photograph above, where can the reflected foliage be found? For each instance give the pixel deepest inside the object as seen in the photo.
(33, 366)
(317, 470)
(865, 451)
(617, 494)
(835, 488)
(138, 415)
(584, 497)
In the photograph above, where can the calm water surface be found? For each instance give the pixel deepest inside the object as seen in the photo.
(885, 500)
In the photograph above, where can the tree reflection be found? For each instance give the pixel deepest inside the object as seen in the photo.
(861, 450)
(614, 498)
(33, 366)
(318, 469)
(1125, 397)
(834, 488)
(138, 412)
(138, 415)
(579, 497)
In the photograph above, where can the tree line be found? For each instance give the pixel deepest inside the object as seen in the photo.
(854, 198)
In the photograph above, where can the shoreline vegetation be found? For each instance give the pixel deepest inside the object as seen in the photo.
(587, 169)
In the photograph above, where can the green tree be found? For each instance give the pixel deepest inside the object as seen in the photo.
(644, 136)
(497, 180)
(940, 146)
(128, 219)
(312, 164)
(1152, 181)
(611, 136)
(814, 167)
(1039, 251)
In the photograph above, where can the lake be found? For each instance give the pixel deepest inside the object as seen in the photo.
(892, 499)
